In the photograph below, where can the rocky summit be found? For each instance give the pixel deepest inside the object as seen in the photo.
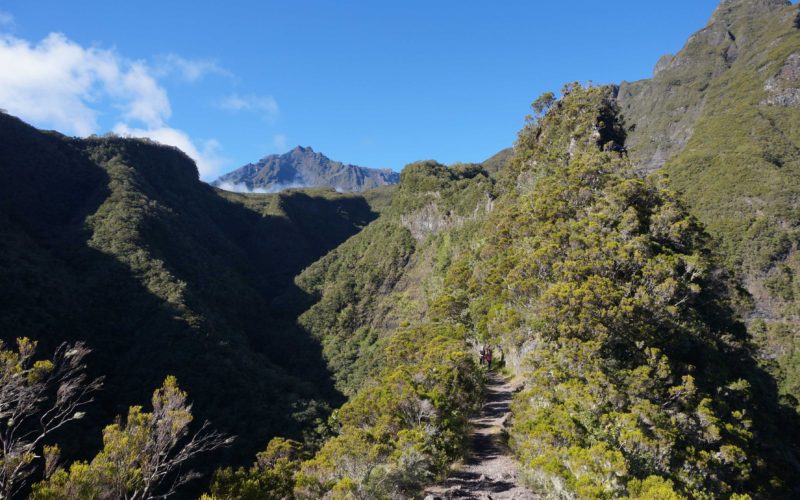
(304, 167)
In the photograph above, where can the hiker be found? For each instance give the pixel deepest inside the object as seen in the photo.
(483, 355)
(488, 356)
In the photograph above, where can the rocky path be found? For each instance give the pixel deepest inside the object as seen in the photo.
(490, 470)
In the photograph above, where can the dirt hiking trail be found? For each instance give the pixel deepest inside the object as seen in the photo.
(489, 471)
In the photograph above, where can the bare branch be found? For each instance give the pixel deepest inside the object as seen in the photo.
(37, 398)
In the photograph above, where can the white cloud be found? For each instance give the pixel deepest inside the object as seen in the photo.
(6, 18)
(189, 70)
(280, 142)
(267, 105)
(241, 187)
(147, 101)
(209, 163)
(58, 83)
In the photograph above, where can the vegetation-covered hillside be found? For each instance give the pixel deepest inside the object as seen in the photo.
(412, 382)
(639, 380)
(722, 118)
(632, 261)
(498, 161)
(117, 243)
(638, 376)
(381, 279)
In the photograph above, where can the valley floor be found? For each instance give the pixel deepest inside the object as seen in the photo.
(490, 471)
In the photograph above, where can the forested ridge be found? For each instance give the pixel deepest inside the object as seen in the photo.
(635, 359)
(116, 243)
(639, 379)
(720, 118)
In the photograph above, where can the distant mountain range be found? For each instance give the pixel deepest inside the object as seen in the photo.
(304, 167)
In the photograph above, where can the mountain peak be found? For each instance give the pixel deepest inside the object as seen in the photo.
(303, 167)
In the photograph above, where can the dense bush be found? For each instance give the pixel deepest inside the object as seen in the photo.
(145, 457)
(398, 432)
(271, 477)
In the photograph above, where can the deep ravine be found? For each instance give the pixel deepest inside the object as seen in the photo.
(490, 471)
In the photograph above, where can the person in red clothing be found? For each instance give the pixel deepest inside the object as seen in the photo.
(488, 357)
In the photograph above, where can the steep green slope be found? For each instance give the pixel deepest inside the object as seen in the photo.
(381, 278)
(117, 242)
(600, 288)
(638, 378)
(498, 161)
(380, 198)
(411, 384)
(745, 40)
(723, 118)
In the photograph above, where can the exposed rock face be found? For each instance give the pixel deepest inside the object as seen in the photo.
(430, 219)
(783, 89)
(729, 8)
(303, 167)
(664, 63)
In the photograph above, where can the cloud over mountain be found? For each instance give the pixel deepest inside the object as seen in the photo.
(303, 167)
(59, 83)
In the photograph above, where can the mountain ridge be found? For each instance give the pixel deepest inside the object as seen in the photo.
(117, 243)
(596, 259)
(661, 112)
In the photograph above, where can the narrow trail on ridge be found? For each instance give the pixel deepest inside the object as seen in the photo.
(490, 470)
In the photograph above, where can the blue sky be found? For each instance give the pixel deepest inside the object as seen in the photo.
(377, 84)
